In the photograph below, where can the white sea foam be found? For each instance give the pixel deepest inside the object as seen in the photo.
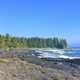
(51, 51)
(65, 57)
(55, 53)
(48, 55)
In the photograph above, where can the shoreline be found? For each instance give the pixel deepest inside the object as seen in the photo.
(61, 52)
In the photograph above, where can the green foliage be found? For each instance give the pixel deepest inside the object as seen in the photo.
(7, 42)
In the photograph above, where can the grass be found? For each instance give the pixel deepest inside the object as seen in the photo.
(2, 60)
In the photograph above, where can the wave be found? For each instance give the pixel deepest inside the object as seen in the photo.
(55, 53)
(51, 51)
(66, 57)
(47, 55)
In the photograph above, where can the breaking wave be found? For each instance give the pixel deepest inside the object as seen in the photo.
(59, 54)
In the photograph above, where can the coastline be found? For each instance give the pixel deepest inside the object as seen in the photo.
(44, 52)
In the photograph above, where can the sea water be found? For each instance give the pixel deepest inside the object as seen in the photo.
(71, 54)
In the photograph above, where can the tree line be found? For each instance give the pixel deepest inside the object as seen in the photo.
(7, 41)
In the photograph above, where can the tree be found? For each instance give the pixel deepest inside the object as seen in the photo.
(7, 41)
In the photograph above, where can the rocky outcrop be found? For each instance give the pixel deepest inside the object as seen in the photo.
(15, 69)
(24, 65)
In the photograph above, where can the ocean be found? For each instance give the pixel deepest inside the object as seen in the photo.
(71, 54)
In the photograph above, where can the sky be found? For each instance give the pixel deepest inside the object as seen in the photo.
(42, 18)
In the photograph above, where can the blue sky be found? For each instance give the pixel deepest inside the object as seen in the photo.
(43, 18)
